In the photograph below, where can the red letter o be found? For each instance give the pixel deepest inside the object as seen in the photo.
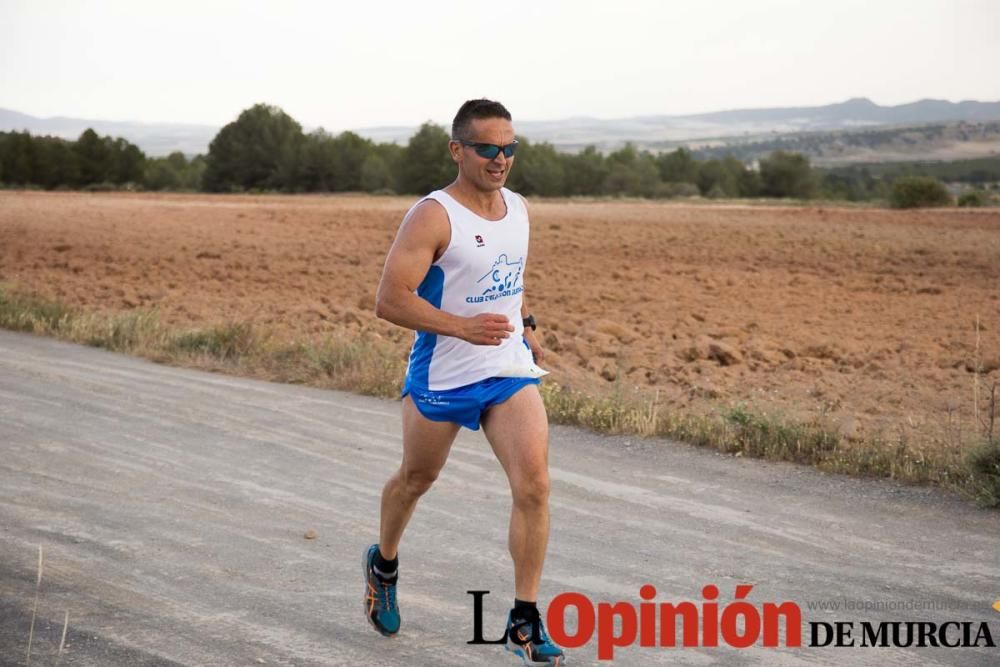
(556, 619)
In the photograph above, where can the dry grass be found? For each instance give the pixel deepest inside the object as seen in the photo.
(747, 431)
(983, 462)
(374, 368)
(34, 615)
(62, 640)
(240, 348)
(34, 607)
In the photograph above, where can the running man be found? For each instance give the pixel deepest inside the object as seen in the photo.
(454, 274)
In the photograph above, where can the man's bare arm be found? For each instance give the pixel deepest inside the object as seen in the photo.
(424, 234)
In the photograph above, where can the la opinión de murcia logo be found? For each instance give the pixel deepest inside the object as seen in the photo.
(737, 624)
(618, 624)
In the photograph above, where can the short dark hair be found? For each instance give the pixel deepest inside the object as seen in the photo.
(473, 109)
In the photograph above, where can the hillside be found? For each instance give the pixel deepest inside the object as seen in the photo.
(832, 133)
(938, 141)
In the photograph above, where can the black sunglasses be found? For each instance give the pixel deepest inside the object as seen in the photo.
(490, 151)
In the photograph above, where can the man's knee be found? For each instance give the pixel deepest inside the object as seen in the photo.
(417, 482)
(532, 489)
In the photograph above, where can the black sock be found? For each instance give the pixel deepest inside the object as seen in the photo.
(524, 610)
(526, 613)
(385, 569)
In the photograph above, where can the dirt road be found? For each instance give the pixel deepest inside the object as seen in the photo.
(171, 506)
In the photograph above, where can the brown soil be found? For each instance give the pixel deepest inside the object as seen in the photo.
(865, 316)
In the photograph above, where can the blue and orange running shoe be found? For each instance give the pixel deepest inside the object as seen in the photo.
(381, 609)
(534, 648)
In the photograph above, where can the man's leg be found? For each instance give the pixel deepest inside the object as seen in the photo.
(518, 431)
(425, 449)
(426, 444)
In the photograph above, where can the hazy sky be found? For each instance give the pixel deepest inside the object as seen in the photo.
(359, 64)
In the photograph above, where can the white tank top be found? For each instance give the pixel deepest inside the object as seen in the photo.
(481, 271)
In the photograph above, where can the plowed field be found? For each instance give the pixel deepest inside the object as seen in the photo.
(865, 316)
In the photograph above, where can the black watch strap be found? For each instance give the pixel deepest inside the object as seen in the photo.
(529, 321)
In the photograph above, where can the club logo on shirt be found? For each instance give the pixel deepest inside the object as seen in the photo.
(503, 279)
(479, 241)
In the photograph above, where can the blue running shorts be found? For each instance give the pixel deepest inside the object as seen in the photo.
(465, 405)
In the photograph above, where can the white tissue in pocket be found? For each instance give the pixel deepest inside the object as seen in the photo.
(530, 371)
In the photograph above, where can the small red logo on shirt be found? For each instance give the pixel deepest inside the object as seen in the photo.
(479, 241)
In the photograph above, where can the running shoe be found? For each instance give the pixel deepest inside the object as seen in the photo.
(521, 643)
(381, 609)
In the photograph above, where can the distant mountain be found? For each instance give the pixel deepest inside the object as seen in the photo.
(861, 111)
(153, 138)
(663, 131)
(571, 134)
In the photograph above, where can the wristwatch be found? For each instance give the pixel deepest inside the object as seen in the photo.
(529, 321)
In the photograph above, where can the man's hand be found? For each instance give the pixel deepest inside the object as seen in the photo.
(536, 348)
(485, 329)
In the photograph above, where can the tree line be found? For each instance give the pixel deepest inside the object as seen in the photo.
(975, 171)
(50, 162)
(265, 149)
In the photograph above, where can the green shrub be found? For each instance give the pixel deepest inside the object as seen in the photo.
(973, 198)
(918, 192)
(787, 175)
(984, 467)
